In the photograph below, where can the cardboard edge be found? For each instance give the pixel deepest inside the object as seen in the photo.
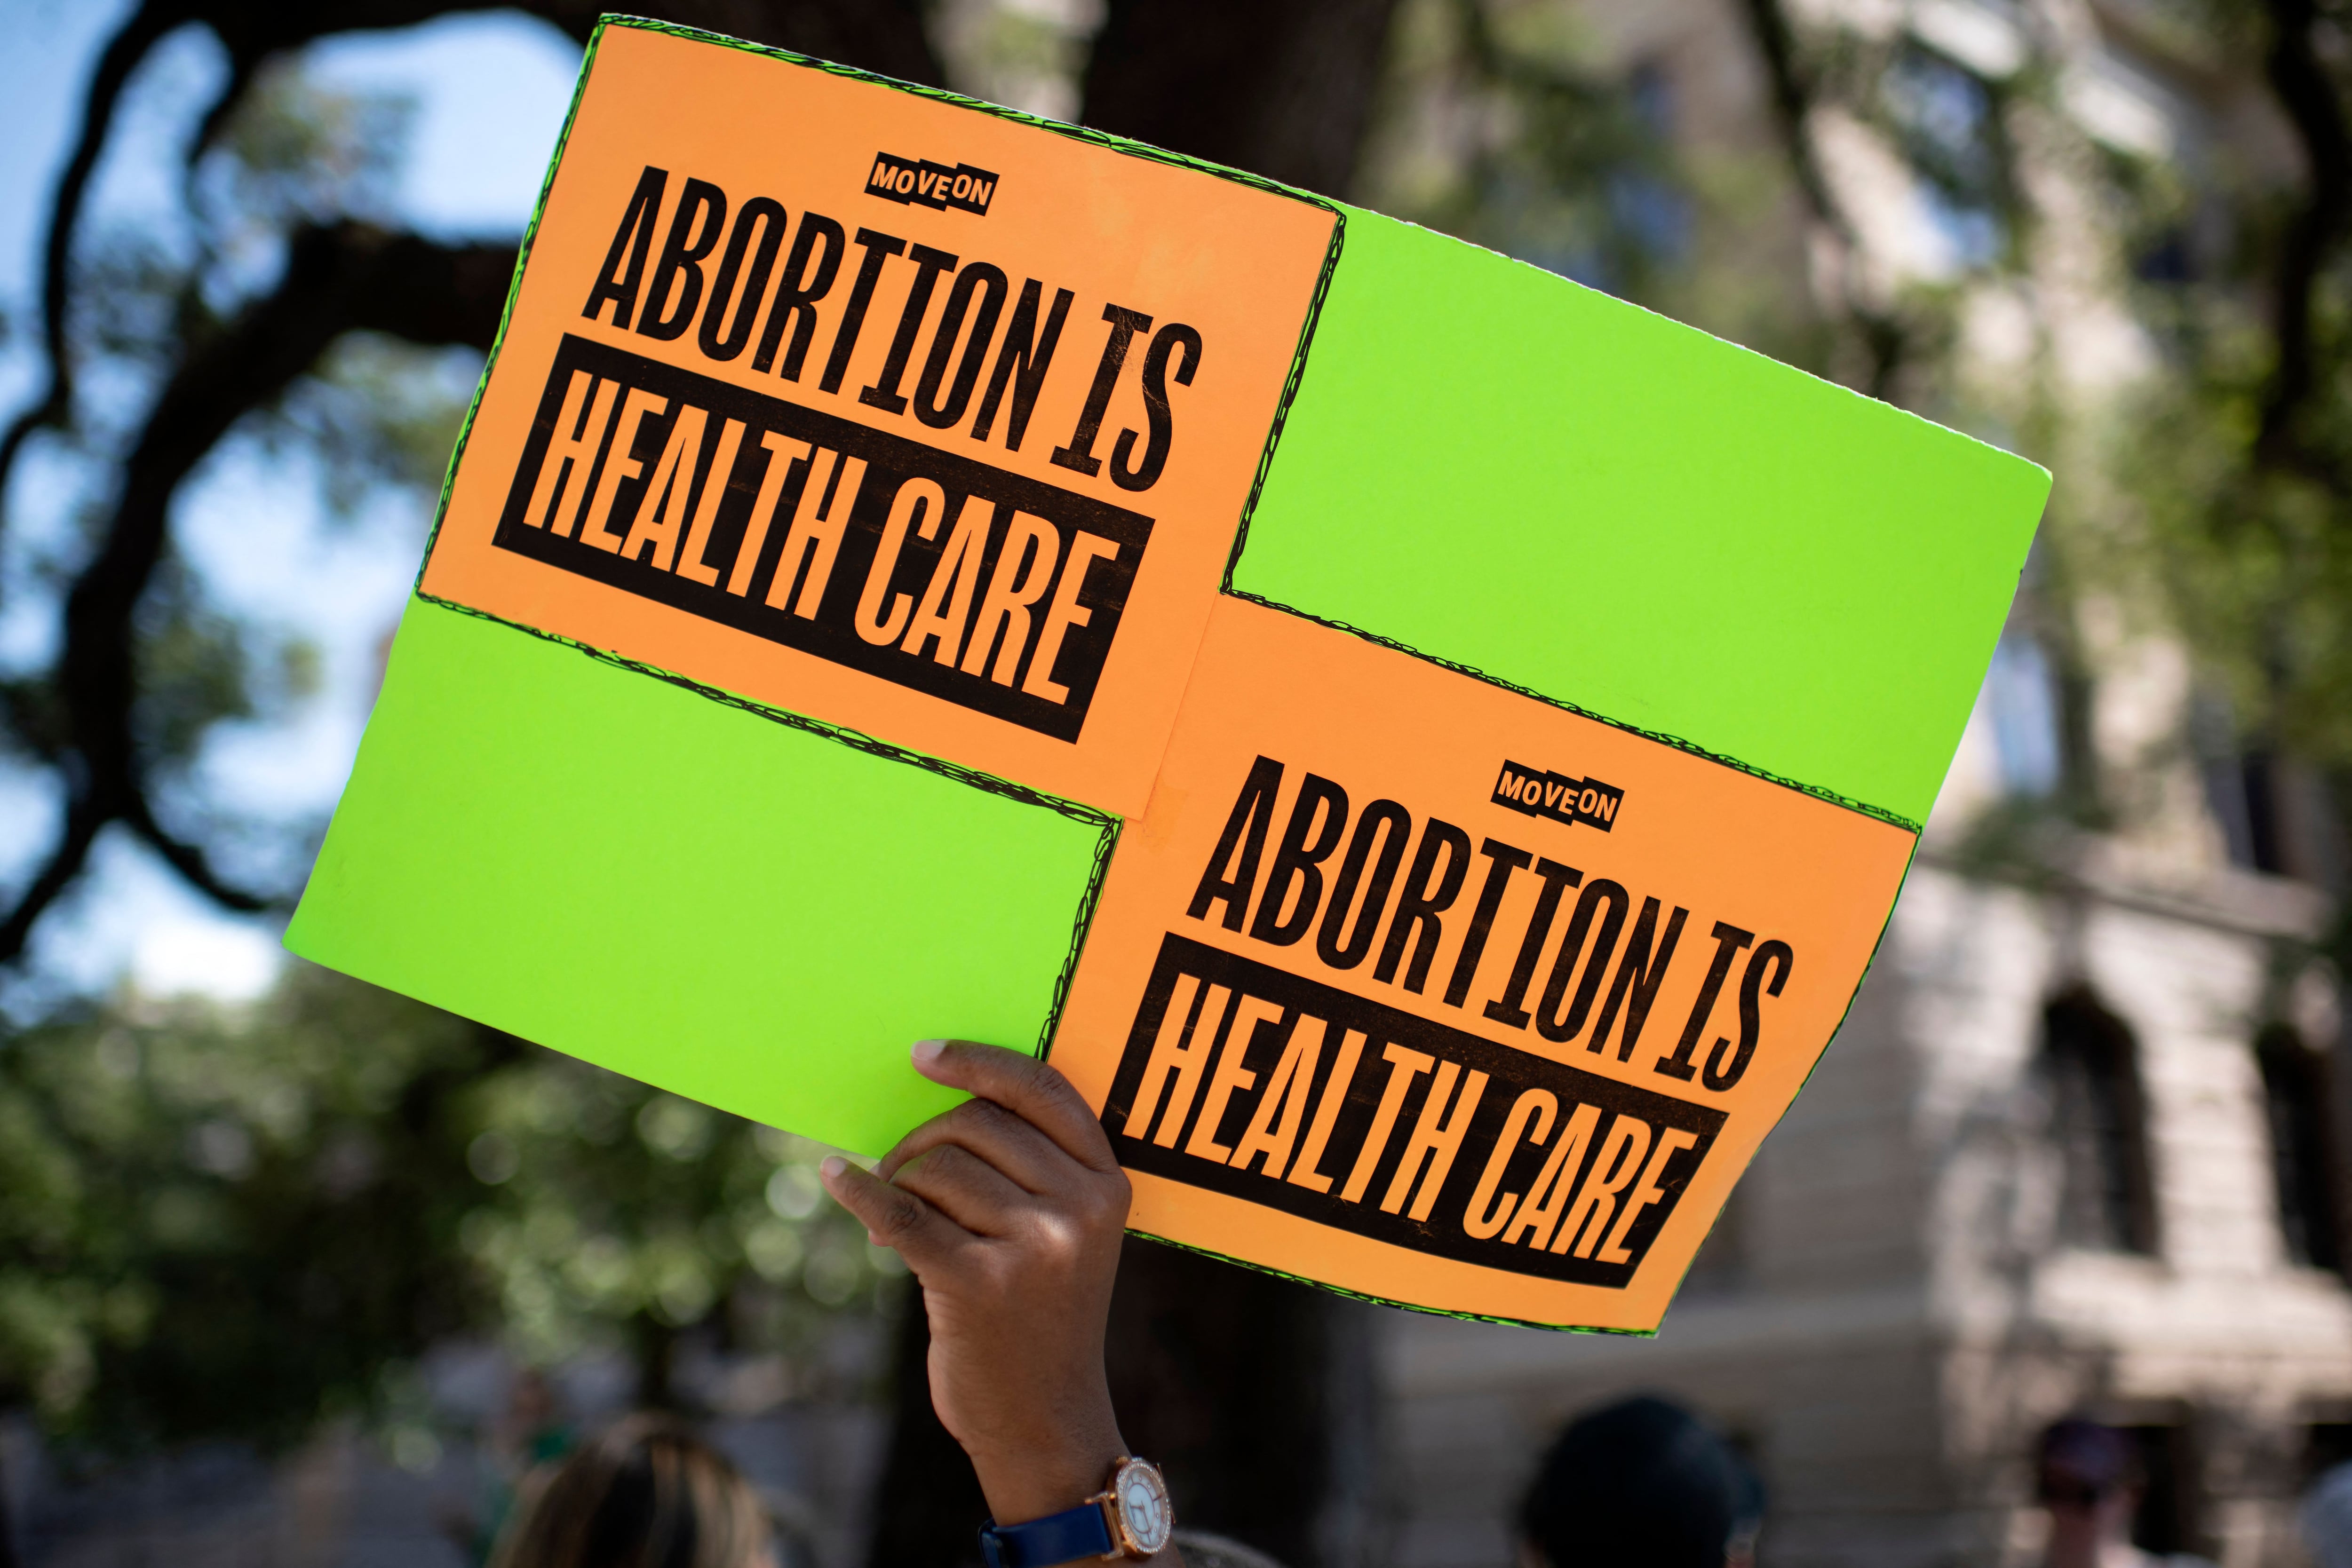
(1826, 796)
(1876, 946)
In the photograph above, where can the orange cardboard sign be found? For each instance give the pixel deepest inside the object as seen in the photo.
(1429, 749)
(1433, 992)
(934, 427)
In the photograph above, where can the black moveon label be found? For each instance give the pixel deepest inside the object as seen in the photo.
(1249, 1080)
(987, 589)
(1534, 792)
(911, 181)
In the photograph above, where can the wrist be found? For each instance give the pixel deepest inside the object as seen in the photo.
(1128, 1517)
(1028, 1481)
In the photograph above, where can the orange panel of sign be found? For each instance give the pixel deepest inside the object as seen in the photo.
(1427, 990)
(756, 426)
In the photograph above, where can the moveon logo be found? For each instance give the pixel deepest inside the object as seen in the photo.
(909, 181)
(1537, 793)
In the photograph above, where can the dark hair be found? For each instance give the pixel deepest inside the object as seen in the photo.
(646, 1493)
(1639, 1484)
(2096, 1458)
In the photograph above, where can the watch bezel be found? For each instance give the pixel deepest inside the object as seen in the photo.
(1115, 1508)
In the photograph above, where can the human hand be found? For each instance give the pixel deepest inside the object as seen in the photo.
(1009, 1210)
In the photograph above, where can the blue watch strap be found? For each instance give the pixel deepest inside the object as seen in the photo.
(1080, 1531)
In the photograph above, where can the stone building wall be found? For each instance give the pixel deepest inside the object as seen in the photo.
(1896, 1320)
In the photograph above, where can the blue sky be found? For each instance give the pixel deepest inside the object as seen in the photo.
(490, 93)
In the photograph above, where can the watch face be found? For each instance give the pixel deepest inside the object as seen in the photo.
(1143, 1510)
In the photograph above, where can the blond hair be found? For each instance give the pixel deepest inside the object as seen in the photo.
(645, 1493)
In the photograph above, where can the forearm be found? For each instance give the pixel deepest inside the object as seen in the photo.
(1010, 1209)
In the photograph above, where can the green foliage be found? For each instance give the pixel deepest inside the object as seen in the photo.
(196, 667)
(1503, 124)
(1530, 150)
(1022, 55)
(1948, 123)
(211, 1221)
(295, 150)
(377, 414)
(621, 1210)
(2239, 518)
(240, 1221)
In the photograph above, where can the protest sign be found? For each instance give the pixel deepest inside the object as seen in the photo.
(1428, 748)
(1500, 1011)
(957, 487)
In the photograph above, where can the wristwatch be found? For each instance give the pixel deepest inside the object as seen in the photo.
(1130, 1518)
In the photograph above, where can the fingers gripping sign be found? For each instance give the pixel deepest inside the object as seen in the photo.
(1009, 1210)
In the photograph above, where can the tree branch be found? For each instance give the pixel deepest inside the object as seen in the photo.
(1792, 93)
(1283, 90)
(122, 53)
(886, 35)
(2308, 98)
(83, 820)
(1793, 99)
(188, 860)
(337, 278)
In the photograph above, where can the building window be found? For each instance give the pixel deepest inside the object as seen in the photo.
(2098, 1119)
(2294, 1100)
(1948, 119)
(2241, 789)
(2022, 699)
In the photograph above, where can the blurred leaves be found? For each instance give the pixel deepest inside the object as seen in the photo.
(219, 1220)
(375, 414)
(621, 1213)
(1526, 147)
(292, 152)
(196, 667)
(1948, 123)
(213, 1218)
(2245, 536)
(231, 330)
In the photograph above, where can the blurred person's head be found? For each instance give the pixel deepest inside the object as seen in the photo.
(2088, 1477)
(645, 1493)
(2327, 1518)
(1639, 1484)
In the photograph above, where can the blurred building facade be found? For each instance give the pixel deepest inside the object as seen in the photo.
(2075, 1149)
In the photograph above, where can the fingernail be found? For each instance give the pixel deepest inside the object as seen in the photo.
(832, 1166)
(927, 1051)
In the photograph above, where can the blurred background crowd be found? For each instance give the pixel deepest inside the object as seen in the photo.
(293, 1270)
